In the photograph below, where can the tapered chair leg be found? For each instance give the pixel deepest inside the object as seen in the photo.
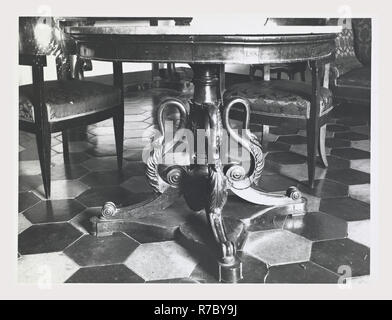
(118, 123)
(323, 155)
(43, 144)
(64, 135)
(312, 142)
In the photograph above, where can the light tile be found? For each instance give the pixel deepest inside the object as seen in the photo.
(64, 189)
(359, 231)
(362, 145)
(30, 167)
(23, 223)
(45, 269)
(278, 247)
(361, 165)
(360, 192)
(161, 260)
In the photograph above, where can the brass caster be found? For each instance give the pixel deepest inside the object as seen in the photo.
(108, 210)
(230, 273)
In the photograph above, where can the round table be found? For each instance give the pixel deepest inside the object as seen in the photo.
(204, 181)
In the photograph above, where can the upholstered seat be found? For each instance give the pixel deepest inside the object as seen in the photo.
(283, 97)
(66, 99)
(359, 77)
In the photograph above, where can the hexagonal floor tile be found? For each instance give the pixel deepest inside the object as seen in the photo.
(305, 272)
(64, 189)
(45, 269)
(337, 128)
(361, 145)
(26, 200)
(54, 211)
(277, 247)
(101, 163)
(273, 183)
(337, 143)
(292, 139)
(299, 172)
(74, 146)
(28, 183)
(23, 223)
(115, 273)
(105, 178)
(347, 209)
(67, 172)
(96, 197)
(350, 153)
(46, 238)
(74, 158)
(336, 255)
(360, 192)
(348, 176)
(359, 231)
(137, 184)
(317, 226)
(161, 260)
(97, 251)
(285, 158)
(353, 136)
(324, 188)
(29, 168)
(361, 165)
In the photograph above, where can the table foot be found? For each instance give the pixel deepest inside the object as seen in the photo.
(230, 273)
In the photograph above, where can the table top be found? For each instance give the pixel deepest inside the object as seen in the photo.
(205, 43)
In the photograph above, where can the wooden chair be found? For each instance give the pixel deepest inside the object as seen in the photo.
(290, 69)
(281, 102)
(46, 107)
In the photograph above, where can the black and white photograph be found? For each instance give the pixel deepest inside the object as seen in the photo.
(178, 150)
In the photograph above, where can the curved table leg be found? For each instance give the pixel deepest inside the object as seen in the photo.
(113, 219)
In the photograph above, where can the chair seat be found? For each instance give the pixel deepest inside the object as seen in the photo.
(358, 77)
(66, 99)
(285, 98)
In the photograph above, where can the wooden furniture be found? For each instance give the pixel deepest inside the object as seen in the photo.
(204, 181)
(46, 107)
(281, 102)
(351, 72)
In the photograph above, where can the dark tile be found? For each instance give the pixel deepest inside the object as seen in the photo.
(283, 130)
(28, 183)
(53, 211)
(26, 200)
(294, 139)
(74, 158)
(348, 176)
(318, 226)
(67, 172)
(346, 208)
(305, 272)
(276, 146)
(253, 270)
(286, 158)
(337, 143)
(336, 162)
(350, 153)
(275, 182)
(96, 197)
(205, 273)
(353, 136)
(337, 255)
(337, 128)
(46, 238)
(105, 178)
(325, 188)
(97, 251)
(115, 273)
(30, 153)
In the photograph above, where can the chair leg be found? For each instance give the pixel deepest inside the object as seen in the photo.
(323, 155)
(312, 142)
(64, 135)
(291, 76)
(303, 76)
(43, 144)
(118, 123)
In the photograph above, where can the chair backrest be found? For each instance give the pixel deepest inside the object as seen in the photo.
(362, 29)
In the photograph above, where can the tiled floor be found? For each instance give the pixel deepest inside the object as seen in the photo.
(55, 246)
